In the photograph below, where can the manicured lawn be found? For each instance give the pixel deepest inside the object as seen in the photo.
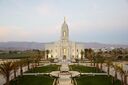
(85, 69)
(44, 69)
(32, 80)
(96, 80)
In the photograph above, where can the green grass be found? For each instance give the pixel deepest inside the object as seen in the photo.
(96, 80)
(92, 80)
(85, 69)
(15, 55)
(32, 80)
(44, 69)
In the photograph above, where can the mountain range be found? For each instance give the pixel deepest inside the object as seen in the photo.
(37, 45)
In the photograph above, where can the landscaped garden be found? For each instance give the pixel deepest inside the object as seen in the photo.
(93, 79)
(85, 69)
(44, 69)
(33, 80)
(36, 79)
(96, 80)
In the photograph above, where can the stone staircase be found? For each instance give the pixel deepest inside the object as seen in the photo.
(64, 75)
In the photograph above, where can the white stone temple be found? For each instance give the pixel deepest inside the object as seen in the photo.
(64, 48)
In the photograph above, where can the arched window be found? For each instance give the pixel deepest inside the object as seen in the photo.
(64, 50)
(64, 33)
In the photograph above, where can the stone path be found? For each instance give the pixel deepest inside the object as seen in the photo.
(35, 73)
(64, 75)
(64, 80)
(94, 74)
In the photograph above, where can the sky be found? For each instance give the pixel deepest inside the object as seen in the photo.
(103, 21)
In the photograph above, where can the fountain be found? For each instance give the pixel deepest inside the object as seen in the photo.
(64, 75)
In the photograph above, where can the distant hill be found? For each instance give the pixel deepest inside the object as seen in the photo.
(37, 45)
(101, 45)
(21, 45)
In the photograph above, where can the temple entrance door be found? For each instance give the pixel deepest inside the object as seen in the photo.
(64, 57)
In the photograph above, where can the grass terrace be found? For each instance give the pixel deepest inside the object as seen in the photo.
(96, 80)
(85, 69)
(36, 79)
(32, 80)
(44, 69)
(92, 79)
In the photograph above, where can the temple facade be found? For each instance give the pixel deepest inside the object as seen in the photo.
(64, 48)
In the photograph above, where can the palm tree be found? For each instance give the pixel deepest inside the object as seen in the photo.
(85, 53)
(90, 55)
(116, 52)
(5, 70)
(121, 71)
(125, 78)
(38, 57)
(16, 66)
(101, 61)
(116, 69)
(47, 52)
(43, 54)
(108, 63)
(82, 54)
(97, 60)
(21, 63)
(28, 61)
(35, 59)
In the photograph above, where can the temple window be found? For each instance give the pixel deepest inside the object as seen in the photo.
(64, 34)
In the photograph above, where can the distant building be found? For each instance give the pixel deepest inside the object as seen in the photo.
(64, 48)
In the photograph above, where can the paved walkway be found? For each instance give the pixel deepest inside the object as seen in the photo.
(94, 74)
(64, 80)
(35, 73)
(64, 75)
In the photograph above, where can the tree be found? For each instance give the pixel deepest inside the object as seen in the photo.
(82, 54)
(85, 53)
(28, 61)
(47, 52)
(108, 63)
(43, 54)
(38, 57)
(21, 63)
(5, 70)
(90, 55)
(101, 60)
(116, 69)
(125, 78)
(121, 71)
(96, 60)
(16, 66)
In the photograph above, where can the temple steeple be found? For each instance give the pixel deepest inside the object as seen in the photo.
(64, 31)
(64, 19)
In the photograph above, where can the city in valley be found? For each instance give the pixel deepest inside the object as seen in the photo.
(63, 42)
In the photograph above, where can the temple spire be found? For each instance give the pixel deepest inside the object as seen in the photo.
(64, 19)
(64, 31)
